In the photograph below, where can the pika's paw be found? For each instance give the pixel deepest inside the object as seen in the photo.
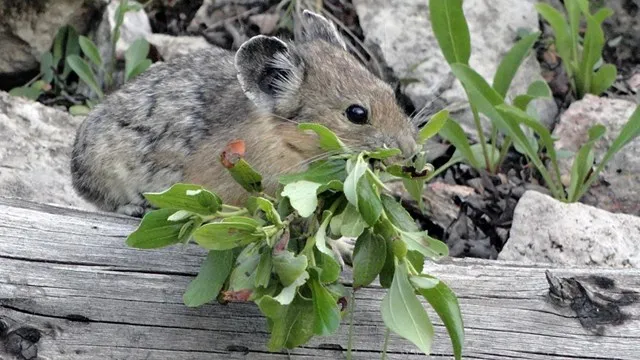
(343, 248)
(132, 210)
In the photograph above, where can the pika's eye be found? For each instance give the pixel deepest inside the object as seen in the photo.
(357, 114)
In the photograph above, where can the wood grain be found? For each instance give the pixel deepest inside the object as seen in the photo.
(68, 274)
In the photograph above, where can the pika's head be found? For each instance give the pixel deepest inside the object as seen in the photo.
(316, 80)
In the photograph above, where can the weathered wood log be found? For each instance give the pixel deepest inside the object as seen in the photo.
(71, 289)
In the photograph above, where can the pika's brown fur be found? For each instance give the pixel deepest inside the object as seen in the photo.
(171, 124)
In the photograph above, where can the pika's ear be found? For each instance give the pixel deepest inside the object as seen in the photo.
(268, 71)
(317, 27)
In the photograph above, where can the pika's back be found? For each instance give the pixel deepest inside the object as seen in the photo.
(144, 132)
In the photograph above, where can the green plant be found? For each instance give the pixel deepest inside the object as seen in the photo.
(582, 58)
(64, 57)
(517, 121)
(136, 60)
(452, 33)
(53, 70)
(278, 252)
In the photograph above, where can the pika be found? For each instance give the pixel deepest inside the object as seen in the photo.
(172, 122)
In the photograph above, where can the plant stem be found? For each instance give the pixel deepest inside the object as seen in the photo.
(483, 140)
(233, 213)
(352, 308)
(222, 215)
(503, 151)
(385, 344)
(268, 197)
(494, 143)
(230, 207)
(442, 168)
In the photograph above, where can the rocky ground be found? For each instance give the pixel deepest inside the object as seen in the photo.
(506, 216)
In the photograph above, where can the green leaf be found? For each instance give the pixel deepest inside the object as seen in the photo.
(629, 131)
(583, 162)
(478, 154)
(193, 198)
(302, 195)
(369, 203)
(434, 125)
(511, 63)
(451, 30)
(135, 55)
(328, 140)
(351, 182)
(46, 67)
(138, 69)
(288, 266)
(292, 325)
(246, 176)
(213, 273)
(537, 89)
(321, 172)
(515, 117)
(268, 208)
(573, 12)
(58, 44)
(445, 303)
(72, 48)
(85, 73)
(352, 222)
(561, 30)
(603, 79)
(398, 215)
(225, 235)
(243, 275)
(327, 314)
(416, 259)
(453, 133)
(263, 272)
(79, 110)
(90, 50)
(414, 188)
(288, 293)
(330, 268)
(327, 262)
(369, 255)
(425, 244)
(602, 14)
(26, 92)
(470, 78)
(388, 269)
(591, 53)
(155, 231)
(403, 313)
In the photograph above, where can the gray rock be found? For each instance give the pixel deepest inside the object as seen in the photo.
(402, 32)
(135, 25)
(171, 46)
(27, 28)
(546, 230)
(620, 188)
(35, 145)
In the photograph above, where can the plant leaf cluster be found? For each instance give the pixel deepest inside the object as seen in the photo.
(73, 53)
(516, 121)
(280, 251)
(581, 56)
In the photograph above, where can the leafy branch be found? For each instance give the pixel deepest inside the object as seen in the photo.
(283, 252)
